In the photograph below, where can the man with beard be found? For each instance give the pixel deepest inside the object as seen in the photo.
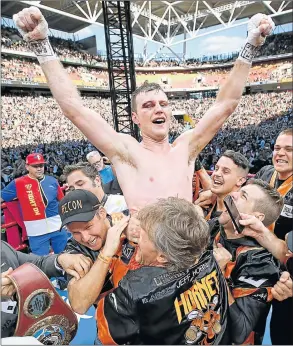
(147, 167)
(279, 176)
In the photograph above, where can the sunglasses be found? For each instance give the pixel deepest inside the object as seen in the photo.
(38, 166)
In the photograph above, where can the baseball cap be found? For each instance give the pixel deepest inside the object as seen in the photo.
(34, 159)
(78, 206)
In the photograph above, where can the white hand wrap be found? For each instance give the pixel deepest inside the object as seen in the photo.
(43, 50)
(37, 38)
(256, 37)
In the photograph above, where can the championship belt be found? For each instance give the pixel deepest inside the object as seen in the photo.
(42, 313)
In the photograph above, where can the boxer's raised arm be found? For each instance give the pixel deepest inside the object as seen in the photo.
(34, 29)
(225, 104)
(89, 122)
(230, 93)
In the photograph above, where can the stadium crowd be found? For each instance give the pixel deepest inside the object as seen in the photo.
(15, 69)
(229, 257)
(72, 51)
(28, 121)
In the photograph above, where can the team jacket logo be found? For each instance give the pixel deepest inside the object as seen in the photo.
(31, 199)
(200, 304)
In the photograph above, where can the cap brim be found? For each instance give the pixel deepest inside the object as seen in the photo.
(36, 163)
(81, 217)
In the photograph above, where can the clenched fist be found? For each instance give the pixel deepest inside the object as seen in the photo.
(258, 27)
(31, 24)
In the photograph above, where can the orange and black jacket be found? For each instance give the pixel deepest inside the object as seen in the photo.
(250, 276)
(154, 306)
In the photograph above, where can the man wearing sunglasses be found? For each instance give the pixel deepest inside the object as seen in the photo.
(38, 196)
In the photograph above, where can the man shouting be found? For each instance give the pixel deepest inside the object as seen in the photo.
(153, 168)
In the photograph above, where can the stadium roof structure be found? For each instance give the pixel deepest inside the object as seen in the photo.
(159, 21)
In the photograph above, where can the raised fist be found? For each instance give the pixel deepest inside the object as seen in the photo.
(31, 24)
(259, 26)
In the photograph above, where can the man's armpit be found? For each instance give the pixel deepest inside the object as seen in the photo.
(124, 155)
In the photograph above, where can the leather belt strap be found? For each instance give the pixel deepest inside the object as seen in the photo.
(42, 313)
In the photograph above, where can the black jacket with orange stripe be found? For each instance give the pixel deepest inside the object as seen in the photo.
(250, 275)
(154, 306)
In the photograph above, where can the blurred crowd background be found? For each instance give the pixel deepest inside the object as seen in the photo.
(33, 122)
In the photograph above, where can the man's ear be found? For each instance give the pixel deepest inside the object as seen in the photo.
(102, 213)
(161, 259)
(98, 181)
(135, 118)
(241, 181)
(259, 216)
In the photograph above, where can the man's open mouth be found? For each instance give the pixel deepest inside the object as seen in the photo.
(217, 182)
(159, 121)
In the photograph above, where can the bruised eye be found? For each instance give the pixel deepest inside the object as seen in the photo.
(148, 105)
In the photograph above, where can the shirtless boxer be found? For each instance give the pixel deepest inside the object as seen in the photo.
(153, 168)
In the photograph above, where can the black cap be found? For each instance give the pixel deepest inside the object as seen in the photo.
(78, 206)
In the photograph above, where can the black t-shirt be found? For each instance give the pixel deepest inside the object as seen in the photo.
(284, 224)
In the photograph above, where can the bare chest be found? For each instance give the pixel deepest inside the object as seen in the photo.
(156, 176)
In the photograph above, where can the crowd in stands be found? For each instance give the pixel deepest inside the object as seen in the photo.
(30, 71)
(28, 121)
(14, 69)
(72, 51)
(273, 71)
(68, 50)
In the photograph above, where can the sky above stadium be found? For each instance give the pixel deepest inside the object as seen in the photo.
(227, 41)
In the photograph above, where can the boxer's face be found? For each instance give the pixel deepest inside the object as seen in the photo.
(282, 155)
(153, 114)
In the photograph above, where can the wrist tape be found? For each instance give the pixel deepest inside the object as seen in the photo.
(43, 50)
(247, 53)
